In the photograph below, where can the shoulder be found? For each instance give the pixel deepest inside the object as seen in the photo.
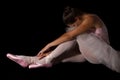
(90, 16)
(94, 19)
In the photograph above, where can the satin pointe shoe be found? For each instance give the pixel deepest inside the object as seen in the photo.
(37, 65)
(23, 61)
(40, 63)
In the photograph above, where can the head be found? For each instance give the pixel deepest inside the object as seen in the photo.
(71, 15)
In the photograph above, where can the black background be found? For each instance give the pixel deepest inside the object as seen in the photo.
(26, 27)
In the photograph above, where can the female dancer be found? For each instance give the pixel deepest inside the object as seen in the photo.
(86, 37)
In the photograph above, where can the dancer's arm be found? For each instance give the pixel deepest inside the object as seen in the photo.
(87, 23)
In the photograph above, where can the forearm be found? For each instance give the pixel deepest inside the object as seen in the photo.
(65, 37)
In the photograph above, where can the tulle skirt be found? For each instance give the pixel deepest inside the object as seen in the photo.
(97, 51)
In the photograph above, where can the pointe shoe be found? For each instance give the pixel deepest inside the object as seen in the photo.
(37, 65)
(40, 63)
(23, 61)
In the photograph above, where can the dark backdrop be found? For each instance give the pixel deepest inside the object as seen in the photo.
(26, 27)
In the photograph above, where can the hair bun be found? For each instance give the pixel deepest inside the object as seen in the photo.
(67, 10)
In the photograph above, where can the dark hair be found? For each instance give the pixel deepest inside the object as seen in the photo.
(70, 13)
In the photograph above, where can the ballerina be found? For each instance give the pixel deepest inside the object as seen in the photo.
(86, 37)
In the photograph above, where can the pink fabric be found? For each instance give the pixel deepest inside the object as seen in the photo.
(18, 60)
(23, 61)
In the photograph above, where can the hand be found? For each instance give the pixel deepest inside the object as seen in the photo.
(46, 48)
(42, 55)
(42, 52)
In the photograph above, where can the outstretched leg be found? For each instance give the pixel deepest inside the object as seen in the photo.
(60, 50)
(24, 61)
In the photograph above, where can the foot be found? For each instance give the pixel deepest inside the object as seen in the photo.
(37, 65)
(23, 61)
(40, 63)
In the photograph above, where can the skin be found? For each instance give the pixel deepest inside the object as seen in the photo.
(83, 23)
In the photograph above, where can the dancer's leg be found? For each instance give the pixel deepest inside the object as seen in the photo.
(96, 50)
(72, 55)
(76, 58)
(24, 61)
(60, 50)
